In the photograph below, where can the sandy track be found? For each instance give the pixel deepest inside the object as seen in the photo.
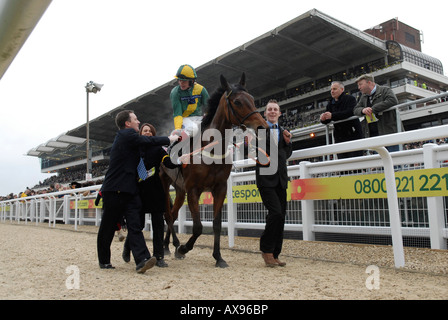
(35, 260)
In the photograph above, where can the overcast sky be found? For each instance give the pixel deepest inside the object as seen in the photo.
(134, 46)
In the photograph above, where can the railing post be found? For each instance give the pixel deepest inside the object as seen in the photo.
(11, 213)
(76, 211)
(435, 204)
(98, 216)
(42, 209)
(18, 210)
(66, 209)
(53, 209)
(392, 200)
(26, 209)
(181, 218)
(50, 209)
(307, 208)
(81, 212)
(33, 210)
(231, 213)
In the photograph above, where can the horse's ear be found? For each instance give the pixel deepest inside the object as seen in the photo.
(224, 84)
(243, 80)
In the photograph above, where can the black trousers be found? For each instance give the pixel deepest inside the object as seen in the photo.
(271, 240)
(158, 225)
(115, 205)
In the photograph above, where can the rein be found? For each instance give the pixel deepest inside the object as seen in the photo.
(209, 155)
(256, 160)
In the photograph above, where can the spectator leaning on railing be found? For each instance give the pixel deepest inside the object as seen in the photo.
(374, 102)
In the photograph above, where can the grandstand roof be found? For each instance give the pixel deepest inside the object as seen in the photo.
(17, 20)
(310, 46)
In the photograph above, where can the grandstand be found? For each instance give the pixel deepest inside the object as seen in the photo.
(293, 63)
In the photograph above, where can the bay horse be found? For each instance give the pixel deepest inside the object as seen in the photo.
(230, 105)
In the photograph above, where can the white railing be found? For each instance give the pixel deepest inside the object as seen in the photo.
(304, 216)
(53, 207)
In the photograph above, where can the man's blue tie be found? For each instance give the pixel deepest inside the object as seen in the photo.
(141, 170)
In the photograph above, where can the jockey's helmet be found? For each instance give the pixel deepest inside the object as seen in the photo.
(186, 72)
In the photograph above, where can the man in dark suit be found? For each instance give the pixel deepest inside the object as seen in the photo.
(272, 185)
(341, 107)
(120, 191)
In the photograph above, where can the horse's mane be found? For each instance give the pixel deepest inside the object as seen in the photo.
(213, 103)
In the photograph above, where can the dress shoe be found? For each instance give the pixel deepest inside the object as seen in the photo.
(269, 260)
(161, 263)
(126, 255)
(146, 264)
(280, 263)
(106, 266)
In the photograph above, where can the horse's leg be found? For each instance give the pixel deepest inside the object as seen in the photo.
(166, 241)
(174, 213)
(166, 182)
(219, 195)
(193, 204)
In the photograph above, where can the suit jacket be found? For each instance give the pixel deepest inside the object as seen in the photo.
(280, 177)
(124, 158)
(383, 99)
(343, 109)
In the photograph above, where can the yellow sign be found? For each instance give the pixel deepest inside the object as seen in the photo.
(413, 183)
(86, 204)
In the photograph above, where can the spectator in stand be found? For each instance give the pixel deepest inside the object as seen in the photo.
(374, 102)
(341, 107)
(26, 193)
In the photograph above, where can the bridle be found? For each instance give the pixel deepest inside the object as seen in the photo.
(243, 126)
(235, 115)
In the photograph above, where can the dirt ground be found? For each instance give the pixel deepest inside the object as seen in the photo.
(39, 262)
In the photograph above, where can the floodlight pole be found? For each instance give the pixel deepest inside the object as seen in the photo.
(90, 87)
(89, 162)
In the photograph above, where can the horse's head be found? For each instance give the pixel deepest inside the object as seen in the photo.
(241, 110)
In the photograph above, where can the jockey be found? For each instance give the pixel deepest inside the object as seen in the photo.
(187, 99)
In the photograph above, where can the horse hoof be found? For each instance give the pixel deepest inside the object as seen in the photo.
(221, 264)
(179, 256)
(179, 253)
(182, 250)
(167, 252)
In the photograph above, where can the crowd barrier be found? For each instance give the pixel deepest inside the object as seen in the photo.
(398, 195)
